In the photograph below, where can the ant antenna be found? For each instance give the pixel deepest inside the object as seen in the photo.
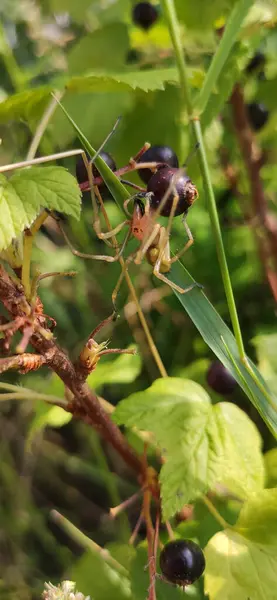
(191, 154)
(91, 161)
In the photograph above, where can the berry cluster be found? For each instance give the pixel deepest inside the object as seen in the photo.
(167, 176)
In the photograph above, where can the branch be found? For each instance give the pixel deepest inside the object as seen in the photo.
(85, 403)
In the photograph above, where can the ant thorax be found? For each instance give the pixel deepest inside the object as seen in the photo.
(142, 222)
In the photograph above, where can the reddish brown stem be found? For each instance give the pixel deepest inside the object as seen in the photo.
(85, 404)
(252, 156)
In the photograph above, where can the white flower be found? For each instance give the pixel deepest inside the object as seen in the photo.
(65, 591)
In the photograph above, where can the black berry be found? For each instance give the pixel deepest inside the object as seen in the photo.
(220, 379)
(81, 172)
(145, 14)
(159, 154)
(258, 115)
(159, 184)
(256, 63)
(182, 562)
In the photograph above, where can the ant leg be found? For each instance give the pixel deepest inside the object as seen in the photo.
(187, 245)
(165, 255)
(120, 279)
(143, 249)
(112, 232)
(94, 256)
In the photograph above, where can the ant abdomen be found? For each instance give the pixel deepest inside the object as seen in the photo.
(158, 186)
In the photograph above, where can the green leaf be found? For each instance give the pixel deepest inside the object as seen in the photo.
(270, 462)
(242, 467)
(15, 215)
(96, 50)
(97, 578)
(239, 569)
(222, 342)
(29, 190)
(199, 442)
(123, 369)
(48, 187)
(258, 518)
(200, 14)
(29, 105)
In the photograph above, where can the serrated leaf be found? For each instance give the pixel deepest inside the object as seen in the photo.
(258, 518)
(123, 369)
(48, 187)
(15, 215)
(197, 441)
(31, 104)
(239, 569)
(143, 80)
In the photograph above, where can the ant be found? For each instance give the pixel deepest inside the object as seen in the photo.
(169, 193)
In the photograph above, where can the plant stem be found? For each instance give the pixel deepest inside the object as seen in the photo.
(227, 41)
(215, 513)
(39, 160)
(49, 111)
(84, 541)
(218, 238)
(173, 26)
(31, 395)
(170, 13)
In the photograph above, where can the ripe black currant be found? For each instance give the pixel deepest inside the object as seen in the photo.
(81, 172)
(159, 154)
(159, 184)
(258, 115)
(220, 379)
(182, 562)
(145, 14)
(256, 63)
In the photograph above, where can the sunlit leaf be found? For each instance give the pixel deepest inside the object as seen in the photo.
(239, 568)
(197, 441)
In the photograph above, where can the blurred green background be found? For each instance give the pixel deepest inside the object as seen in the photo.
(45, 464)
